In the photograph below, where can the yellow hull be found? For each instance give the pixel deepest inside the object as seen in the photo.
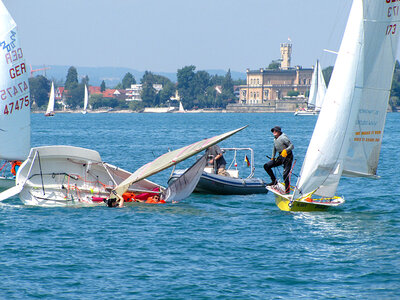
(306, 203)
(283, 204)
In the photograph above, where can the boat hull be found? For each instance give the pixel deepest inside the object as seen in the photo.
(223, 185)
(70, 176)
(285, 203)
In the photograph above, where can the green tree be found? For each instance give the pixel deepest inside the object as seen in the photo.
(102, 86)
(39, 90)
(274, 65)
(128, 80)
(148, 94)
(75, 96)
(72, 79)
(186, 85)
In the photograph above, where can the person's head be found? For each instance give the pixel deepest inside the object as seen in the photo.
(156, 197)
(276, 131)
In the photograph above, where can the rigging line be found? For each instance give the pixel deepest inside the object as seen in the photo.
(41, 175)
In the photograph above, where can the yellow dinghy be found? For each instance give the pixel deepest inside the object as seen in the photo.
(285, 202)
(348, 134)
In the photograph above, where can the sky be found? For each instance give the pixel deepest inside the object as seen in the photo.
(166, 35)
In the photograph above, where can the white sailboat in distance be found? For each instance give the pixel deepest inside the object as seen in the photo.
(85, 101)
(317, 93)
(15, 123)
(50, 106)
(348, 134)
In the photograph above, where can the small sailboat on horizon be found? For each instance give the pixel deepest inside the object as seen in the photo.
(348, 134)
(50, 107)
(85, 100)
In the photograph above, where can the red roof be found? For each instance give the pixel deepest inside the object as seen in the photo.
(94, 90)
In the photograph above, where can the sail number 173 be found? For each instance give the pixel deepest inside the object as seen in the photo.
(391, 29)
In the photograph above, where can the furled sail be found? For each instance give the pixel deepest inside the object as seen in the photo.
(368, 49)
(15, 102)
(171, 158)
(186, 183)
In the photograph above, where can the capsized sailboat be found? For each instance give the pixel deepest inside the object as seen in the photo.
(170, 159)
(67, 175)
(15, 122)
(85, 101)
(317, 93)
(50, 106)
(348, 134)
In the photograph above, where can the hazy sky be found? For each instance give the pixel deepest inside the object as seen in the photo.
(165, 35)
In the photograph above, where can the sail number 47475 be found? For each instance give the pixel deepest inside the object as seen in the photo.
(17, 105)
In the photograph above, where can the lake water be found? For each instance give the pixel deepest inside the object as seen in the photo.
(207, 246)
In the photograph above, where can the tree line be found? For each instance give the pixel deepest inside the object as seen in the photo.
(197, 89)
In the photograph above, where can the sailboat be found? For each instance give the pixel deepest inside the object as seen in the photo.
(348, 134)
(85, 101)
(67, 175)
(317, 93)
(50, 107)
(15, 124)
(181, 109)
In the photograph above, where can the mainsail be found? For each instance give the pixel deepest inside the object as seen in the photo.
(355, 104)
(186, 183)
(85, 100)
(15, 124)
(169, 159)
(50, 106)
(318, 88)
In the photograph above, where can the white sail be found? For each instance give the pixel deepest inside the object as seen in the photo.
(15, 99)
(171, 158)
(368, 50)
(318, 88)
(380, 42)
(312, 98)
(181, 109)
(50, 106)
(321, 88)
(85, 100)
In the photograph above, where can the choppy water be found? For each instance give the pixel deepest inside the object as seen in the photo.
(208, 246)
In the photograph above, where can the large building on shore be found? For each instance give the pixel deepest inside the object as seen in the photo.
(268, 86)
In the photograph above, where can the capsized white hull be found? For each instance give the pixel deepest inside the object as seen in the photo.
(70, 176)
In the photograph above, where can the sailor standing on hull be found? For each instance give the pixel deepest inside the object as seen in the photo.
(284, 147)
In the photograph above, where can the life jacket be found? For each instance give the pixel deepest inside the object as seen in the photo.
(151, 200)
(14, 167)
(128, 197)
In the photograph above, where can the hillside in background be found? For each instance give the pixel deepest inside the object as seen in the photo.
(112, 75)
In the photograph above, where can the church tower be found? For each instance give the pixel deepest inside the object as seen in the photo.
(286, 53)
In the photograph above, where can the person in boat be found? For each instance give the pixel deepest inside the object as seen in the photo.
(217, 160)
(284, 147)
(15, 164)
